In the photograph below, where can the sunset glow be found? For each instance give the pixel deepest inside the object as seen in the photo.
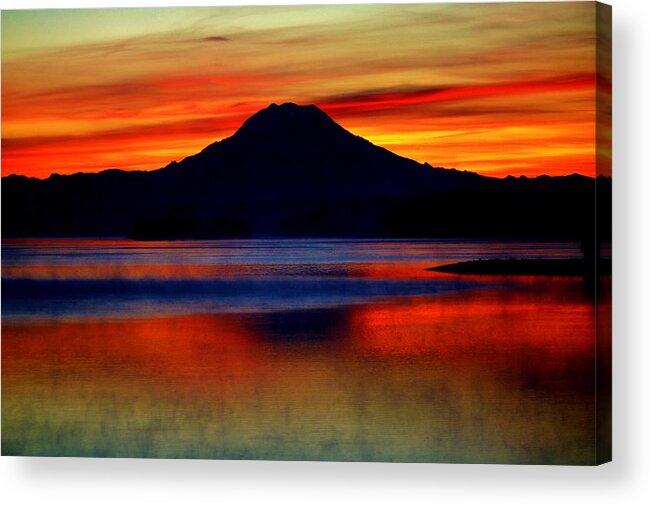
(494, 88)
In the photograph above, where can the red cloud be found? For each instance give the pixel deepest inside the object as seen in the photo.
(359, 103)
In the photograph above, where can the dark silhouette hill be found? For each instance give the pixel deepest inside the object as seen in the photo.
(290, 170)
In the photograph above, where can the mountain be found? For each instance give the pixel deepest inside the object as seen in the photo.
(291, 170)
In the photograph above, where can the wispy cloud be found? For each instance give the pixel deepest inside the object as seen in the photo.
(216, 38)
(391, 99)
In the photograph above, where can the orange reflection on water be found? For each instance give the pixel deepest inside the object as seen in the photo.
(464, 323)
(192, 347)
(413, 270)
(493, 374)
(121, 271)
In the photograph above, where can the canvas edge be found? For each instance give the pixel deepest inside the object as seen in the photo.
(603, 166)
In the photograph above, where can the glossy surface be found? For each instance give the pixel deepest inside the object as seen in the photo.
(312, 349)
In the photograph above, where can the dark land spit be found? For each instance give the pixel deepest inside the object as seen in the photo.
(547, 267)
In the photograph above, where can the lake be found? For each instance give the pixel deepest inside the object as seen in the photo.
(294, 349)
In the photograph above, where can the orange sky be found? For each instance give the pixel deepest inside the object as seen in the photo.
(494, 88)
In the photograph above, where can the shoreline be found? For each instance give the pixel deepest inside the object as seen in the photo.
(542, 267)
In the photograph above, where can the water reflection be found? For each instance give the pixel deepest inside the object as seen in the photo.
(499, 372)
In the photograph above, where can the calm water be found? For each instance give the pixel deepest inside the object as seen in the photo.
(293, 349)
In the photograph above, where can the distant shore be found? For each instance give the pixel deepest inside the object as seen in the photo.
(545, 267)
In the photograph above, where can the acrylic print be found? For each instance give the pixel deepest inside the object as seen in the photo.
(344, 233)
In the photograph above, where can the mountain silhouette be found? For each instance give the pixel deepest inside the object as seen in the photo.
(298, 152)
(291, 170)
